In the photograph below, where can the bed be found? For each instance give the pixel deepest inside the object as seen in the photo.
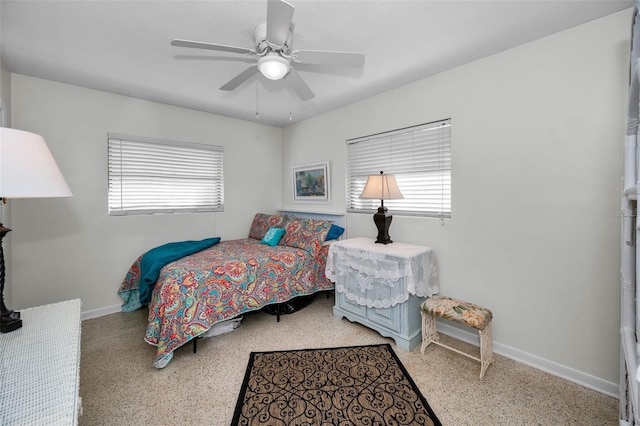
(233, 277)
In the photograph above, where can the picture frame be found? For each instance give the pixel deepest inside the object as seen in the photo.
(311, 183)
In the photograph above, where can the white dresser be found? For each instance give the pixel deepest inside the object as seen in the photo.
(40, 366)
(382, 286)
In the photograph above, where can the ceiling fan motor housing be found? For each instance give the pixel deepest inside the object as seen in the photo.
(262, 45)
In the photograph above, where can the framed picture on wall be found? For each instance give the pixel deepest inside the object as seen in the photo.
(311, 183)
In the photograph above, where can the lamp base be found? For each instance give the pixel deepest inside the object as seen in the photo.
(10, 322)
(382, 219)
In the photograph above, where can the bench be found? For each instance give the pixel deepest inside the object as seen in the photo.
(461, 312)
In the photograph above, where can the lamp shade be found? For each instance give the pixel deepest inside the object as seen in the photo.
(381, 187)
(27, 168)
(273, 66)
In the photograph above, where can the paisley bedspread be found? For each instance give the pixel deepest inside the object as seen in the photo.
(222, 282)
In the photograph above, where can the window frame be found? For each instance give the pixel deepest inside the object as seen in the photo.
(421, 162)
(171, 160)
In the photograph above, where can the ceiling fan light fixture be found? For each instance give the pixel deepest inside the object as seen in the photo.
(273, 66)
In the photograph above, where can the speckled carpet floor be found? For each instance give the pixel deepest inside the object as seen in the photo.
(120, 386)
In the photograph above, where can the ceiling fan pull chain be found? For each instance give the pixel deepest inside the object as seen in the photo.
(257, 114)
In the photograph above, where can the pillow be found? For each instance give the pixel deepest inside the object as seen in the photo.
(334, 232)
(272, 237)
(306, 234)
(287, 218)
(262, 222)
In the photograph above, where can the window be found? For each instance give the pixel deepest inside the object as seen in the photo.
(420, 159)
(157, 176)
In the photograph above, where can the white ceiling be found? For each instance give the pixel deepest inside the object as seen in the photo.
(123, 46)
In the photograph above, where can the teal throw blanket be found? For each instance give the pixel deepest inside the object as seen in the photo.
(154, 260)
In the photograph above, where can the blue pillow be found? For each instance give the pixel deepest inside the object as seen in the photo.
(272, 237)
(334, 232)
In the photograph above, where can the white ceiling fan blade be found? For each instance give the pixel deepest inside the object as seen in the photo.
(279, 14)
(211, 46)
(322, 57)
(240, 78)
(298, 85)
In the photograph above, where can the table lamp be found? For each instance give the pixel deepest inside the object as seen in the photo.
(27, 170)
(382, 187)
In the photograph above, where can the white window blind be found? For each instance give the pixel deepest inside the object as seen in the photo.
(157, 176)
(420, 159)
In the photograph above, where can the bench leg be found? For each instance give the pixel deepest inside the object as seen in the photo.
(486, 349)
(429, 331)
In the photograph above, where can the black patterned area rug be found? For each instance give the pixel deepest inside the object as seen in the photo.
(357, 385)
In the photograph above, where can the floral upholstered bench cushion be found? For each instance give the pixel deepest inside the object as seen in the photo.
(458, 310)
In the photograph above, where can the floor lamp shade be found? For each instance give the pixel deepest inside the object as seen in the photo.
(27, 170)
(382, 187)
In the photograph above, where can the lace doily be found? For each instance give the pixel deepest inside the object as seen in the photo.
(381, 276)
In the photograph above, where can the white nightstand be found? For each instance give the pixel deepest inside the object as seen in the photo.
(40, 367)
(382, 286)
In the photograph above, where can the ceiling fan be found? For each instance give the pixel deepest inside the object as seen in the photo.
(273, 52)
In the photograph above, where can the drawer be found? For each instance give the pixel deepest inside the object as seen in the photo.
(387, 317)
(350, 306)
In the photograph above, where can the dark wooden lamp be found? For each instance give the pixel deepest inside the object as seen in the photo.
(382, 187)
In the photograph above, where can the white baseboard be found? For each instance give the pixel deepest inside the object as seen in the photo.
(579, 377)
(95, 313)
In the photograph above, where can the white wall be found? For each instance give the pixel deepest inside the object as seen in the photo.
(69, 247)
(5, 76)
(5, 85)
(537, 137)
(5, 91)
